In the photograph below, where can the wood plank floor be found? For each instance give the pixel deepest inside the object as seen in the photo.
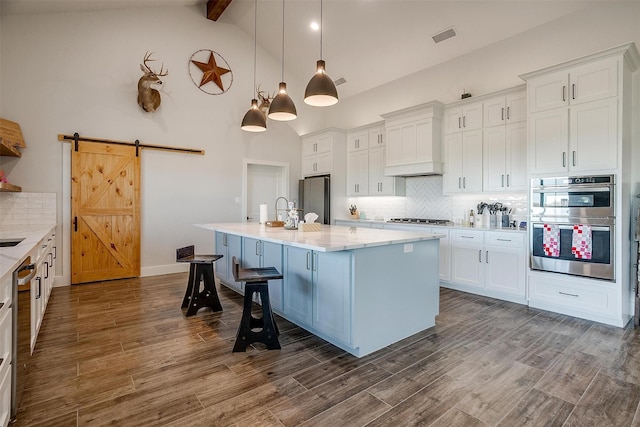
(122, 353)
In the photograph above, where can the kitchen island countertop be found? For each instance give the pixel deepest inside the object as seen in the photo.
(12, 257)
(329, 239)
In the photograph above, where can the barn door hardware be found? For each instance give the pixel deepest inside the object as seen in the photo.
(76, 138)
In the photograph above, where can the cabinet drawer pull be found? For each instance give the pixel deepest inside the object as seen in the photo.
(573, 154)
(486, 257)
(504, 240)
(39, 287)
(479, 255)
(308, 260)
(464, 121)
(502, 113)
(459, 182)
(564, 93)
(569, 295)
(573, 91)
(467, 237)
(464, 182)
(314, 262)
(502, 184)
(459, 123)
(564, 159)
(508, 180)
(508, 113)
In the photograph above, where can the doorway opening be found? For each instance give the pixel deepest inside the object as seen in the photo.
(262, 183)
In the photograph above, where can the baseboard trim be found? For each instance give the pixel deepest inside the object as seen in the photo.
(158, 270)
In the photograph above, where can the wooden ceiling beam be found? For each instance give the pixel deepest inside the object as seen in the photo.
(215, 8)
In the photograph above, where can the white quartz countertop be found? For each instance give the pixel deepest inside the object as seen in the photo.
(12, 257)
(447, 226)
(331, 237)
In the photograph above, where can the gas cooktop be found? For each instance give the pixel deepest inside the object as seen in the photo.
(421, 221)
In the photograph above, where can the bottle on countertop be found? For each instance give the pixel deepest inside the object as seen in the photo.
(471, 218)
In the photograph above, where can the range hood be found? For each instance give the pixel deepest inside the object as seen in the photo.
(414, 140)
(414, 169)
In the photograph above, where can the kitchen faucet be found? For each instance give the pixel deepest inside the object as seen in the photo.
(276, 205)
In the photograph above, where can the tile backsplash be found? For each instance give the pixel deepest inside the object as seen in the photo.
(18, 209)
(424, 199)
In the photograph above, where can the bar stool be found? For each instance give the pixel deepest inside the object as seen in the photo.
(256, 282)
(201, 269)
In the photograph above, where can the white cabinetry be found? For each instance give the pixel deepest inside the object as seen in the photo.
(504, 109)
(413, 140)
(490, 263)
(463, 117)
(504, 161)
(573, 116)
(6, 337)
(317, 155)
(317, 291)
(257, 254)
(42, 284)
(366, 158)
(358, 173)
(463, 162)
(228, 245)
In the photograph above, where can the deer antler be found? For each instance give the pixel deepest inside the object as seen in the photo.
(147, 58)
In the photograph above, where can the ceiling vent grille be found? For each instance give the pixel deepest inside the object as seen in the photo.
(340, 81)
(443, 35)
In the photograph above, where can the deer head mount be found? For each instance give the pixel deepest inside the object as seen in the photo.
(265, 100)
(148, 97)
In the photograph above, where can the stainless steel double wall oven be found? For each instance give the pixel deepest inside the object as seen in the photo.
(566, 202)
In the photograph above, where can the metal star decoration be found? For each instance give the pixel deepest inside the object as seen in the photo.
(208, 66)
(211, 71)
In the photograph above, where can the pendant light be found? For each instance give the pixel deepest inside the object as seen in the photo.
(254, 120)
(321, 91)
(282, 107)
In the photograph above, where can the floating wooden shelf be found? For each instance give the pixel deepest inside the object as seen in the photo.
(5, 187)
(8, 150)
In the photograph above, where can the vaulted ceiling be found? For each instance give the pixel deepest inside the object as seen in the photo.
(365, 42)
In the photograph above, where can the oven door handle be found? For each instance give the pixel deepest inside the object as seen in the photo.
(570, 227)
(604, 189)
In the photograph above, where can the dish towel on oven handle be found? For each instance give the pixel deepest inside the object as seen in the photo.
(581, 242)
(551, 240)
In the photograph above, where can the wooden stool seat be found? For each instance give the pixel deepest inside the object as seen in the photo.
(201, 270)
(256, 282)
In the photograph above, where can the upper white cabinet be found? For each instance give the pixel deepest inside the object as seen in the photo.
(376, 136)
(413, 140)
(463, 117)
(358, 140)
(463, 162)
(500, 110)
(321, 151)
(579, 84)
(575, 112)
(365, 166)
(358, 173)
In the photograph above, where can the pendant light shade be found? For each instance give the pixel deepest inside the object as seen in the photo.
(321, 91)
(282, 107)
(254, 120)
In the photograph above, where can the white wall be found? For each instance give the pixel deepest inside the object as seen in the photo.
(497, 66)
(78, 72)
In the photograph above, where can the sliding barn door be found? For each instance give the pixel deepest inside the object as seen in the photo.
(105, 210)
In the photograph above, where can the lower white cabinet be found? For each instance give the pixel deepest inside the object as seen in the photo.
(258, 253)
(491, 263)
(42, 284)
(589, 299)
(228, 245)
(6, 331)
(316, 293)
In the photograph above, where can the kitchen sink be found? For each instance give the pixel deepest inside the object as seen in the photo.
(7, 243)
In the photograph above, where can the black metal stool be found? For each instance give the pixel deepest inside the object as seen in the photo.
(256, 281)
(201, 269)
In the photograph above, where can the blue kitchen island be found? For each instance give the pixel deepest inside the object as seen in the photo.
(360, 289)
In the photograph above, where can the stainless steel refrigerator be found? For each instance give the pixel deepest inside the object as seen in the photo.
(314, 196)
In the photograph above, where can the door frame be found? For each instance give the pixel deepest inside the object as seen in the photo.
(284, 167)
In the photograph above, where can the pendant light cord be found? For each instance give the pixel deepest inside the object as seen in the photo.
(321, 29)
(282, 41)
(255, 44)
